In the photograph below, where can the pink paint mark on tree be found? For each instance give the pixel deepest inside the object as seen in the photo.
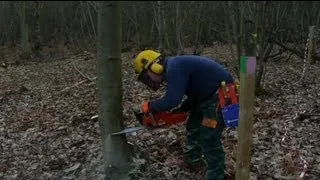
(251, 65)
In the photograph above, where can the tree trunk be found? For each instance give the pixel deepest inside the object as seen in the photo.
(92, 22)
(311, 46)
(116, 151)
(229, 23)
(237, 26)
(12, 35)
(198, 29)
(309, 50)
(240, 31)
(178, 29)
(160, 27)
(249, 40)
(260, 42)
(247, 88)
(37, 45)
(25, 48)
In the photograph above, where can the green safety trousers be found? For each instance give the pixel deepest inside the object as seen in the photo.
(206, 141)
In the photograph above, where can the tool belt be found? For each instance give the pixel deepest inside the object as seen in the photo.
(229, 103)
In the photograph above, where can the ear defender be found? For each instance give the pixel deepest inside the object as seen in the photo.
(156, 68)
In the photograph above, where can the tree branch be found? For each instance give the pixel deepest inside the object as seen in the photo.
(295, 51)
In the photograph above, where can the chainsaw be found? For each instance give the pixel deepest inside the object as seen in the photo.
(154, 120)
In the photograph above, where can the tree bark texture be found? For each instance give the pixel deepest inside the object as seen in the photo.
(116, 150)
(24, 30)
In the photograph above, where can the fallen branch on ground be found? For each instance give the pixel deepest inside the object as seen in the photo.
(307, 115)
(75, 85)
(293, 50)
(83, 75)
(46, 100)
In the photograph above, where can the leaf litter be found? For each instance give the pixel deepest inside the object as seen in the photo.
(47, 130)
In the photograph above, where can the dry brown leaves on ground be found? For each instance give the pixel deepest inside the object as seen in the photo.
(46, 130)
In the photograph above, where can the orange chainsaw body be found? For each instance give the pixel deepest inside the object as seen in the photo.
(161, 118)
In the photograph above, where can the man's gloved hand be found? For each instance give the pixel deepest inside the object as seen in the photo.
(142, 108)
(145, 107)
(146, 120)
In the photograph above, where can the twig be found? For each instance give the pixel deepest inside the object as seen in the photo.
(47, 99)
(283, 177)
(294, 50)
(305, 61)
(94, 117)
(307, 114)
(305, 168)
(75, 85)
(289, 57)
(83, 75)
(306, 49)
(285, 134)
(277, 54)
(1, 113)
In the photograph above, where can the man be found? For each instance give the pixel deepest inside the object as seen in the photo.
(199, 79)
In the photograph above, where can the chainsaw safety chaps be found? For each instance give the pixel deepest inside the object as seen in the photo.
(204, 140)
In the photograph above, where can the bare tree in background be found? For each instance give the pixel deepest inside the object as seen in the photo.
(24, 45)
(169, 26)
(235, 10)
(198, 29)
(179, 24)
(37, 31)
(160, 26)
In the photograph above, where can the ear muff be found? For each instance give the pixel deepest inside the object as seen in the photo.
(156, 68)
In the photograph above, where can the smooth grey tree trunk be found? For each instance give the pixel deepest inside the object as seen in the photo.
(25, 48)
(116, 150)
(161, 27)
(179, 24)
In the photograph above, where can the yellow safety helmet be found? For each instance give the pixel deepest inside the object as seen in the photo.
(147, 59)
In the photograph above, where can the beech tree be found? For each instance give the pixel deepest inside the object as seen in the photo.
(116, 151)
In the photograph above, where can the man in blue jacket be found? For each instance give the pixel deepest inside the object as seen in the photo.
(198, 78)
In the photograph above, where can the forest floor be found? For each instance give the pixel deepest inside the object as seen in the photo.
(47, 130)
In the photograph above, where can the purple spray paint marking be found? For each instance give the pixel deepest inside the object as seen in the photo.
(251, 65)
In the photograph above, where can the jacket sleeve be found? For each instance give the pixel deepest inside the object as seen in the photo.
(177, 80)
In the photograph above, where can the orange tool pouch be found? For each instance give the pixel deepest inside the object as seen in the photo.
(211, 123)
(229, 103)
(229, 94)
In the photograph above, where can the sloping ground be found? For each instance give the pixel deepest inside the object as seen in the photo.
(46, 130)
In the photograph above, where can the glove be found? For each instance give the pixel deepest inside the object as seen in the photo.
(142, 108)
(145, 119)
(145, 107)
